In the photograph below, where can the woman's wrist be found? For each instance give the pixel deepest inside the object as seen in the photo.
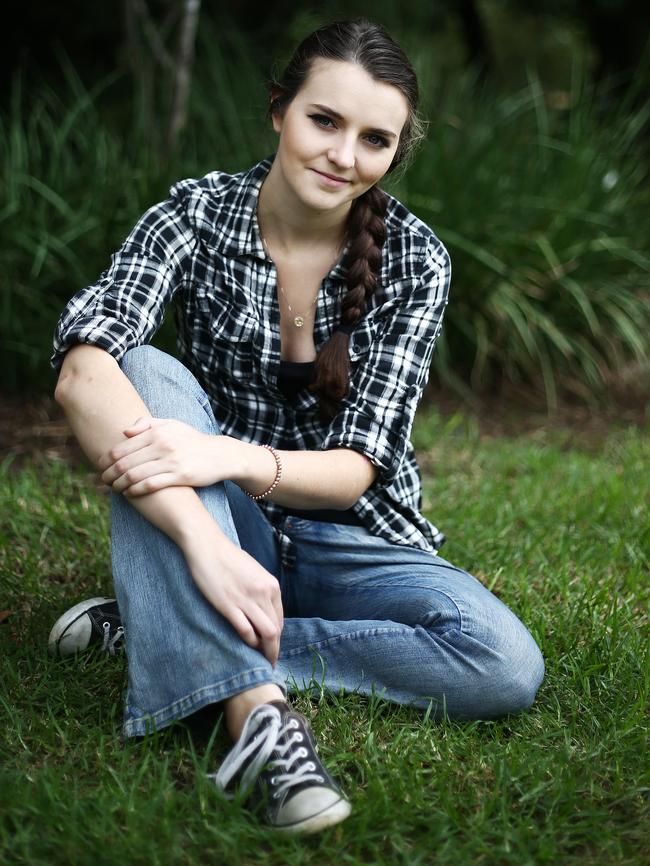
(278, 475)
(193, 535)
(259, 469)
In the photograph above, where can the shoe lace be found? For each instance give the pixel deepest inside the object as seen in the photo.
(267, 736)
(304, 772)
(109, 643)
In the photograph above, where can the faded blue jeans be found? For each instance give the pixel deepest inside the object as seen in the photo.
(361, 614)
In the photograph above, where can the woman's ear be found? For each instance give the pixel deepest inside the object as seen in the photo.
(276, 119)
(277, 110)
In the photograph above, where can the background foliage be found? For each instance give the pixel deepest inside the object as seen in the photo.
(534, 174)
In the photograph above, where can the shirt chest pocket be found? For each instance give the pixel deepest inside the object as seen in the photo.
(231, 331)
(367, 332)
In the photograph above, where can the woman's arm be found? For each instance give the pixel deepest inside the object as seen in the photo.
(99, 402)
(161, 453)
(310, 479)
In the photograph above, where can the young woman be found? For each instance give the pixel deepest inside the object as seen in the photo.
(266, 533)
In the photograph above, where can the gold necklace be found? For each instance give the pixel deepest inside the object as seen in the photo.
(298, 320)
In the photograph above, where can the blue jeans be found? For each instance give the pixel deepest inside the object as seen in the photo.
(361, 614)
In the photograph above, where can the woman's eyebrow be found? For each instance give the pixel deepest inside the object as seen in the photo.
(340, 117)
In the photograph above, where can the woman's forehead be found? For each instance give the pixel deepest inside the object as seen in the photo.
(352, 92)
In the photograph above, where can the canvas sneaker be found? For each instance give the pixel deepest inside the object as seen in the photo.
(94, 622)
(275, 766)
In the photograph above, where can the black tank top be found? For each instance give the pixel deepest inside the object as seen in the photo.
(293, 376)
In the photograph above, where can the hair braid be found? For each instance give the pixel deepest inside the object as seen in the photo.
(366, 232)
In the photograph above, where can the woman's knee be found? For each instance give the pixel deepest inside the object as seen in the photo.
(166, 386)
(516, 678)
(145, 362)
(147, 368)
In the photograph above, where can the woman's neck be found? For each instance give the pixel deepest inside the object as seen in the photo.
(285, 220)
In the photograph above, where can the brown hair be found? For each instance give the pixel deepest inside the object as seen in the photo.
(369, 45)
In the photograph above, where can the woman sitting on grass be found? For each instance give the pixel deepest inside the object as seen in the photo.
(266, 533)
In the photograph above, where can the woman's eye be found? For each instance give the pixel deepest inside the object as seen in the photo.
(377, 141)
(326, 122)
(318, 118)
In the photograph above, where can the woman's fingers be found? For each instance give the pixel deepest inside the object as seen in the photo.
(276, 601)
(244, 592)
(242, 625)
(124, 449)
(140, 425)
(257, 630)
(267, 630)
(151, 484)
(132, 468)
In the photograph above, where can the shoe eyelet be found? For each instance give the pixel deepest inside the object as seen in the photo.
(294, 723)
(106, 626)
(303, 752)
(311, 766)
(299, 738)
(273, 781)
(321, 779)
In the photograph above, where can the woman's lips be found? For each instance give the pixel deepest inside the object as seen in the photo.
(330, 180)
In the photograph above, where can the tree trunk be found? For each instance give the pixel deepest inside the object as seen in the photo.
(183, 71)
(476, 42)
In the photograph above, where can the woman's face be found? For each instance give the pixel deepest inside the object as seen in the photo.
(339, 134)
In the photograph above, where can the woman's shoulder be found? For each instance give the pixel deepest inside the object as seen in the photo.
(214, 204)
(410, 242)
(213, 187)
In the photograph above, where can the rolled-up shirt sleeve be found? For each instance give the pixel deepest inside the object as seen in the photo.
(126, 305)
(388, 378)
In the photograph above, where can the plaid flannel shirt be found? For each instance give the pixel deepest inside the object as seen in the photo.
(201, 250)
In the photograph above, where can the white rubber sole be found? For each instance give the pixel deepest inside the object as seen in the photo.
(63, 639)
(334, 814)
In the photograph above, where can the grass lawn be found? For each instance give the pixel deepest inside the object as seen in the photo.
(557, 529)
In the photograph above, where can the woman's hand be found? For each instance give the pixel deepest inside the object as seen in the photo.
(160, 452)
(241, 589)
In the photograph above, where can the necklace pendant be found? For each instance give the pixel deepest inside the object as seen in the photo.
(299, 321)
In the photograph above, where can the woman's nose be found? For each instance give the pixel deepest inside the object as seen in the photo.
(343, 155)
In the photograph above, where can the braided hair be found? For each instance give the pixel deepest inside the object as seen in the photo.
(370, 46)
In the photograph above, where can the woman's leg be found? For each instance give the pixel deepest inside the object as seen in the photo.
(182, 654)
(361, 613)
(366, 615)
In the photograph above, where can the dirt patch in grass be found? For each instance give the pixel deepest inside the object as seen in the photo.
(31, 426)
(36, 426)
(523, 411)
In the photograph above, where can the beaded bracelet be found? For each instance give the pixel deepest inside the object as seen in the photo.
(278, 475)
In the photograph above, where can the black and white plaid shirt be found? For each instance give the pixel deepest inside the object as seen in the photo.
(201, 249)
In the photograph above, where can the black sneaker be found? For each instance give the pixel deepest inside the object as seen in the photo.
(276, 765)
(94, 622)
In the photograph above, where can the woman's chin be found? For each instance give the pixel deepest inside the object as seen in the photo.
(324, 200)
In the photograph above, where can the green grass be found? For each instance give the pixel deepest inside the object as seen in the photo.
(558, 530)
